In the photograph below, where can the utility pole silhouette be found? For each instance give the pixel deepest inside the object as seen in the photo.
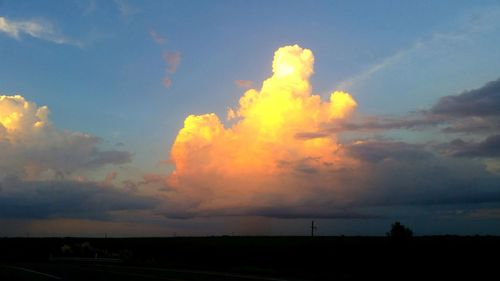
(313, 228)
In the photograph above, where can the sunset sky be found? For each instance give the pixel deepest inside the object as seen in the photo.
(160, 118)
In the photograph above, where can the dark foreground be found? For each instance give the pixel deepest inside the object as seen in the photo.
(250, 258)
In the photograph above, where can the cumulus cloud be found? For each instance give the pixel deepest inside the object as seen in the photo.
(32, 148)
(40, 29)
(40, 166)
(248, 164)
(277, 159)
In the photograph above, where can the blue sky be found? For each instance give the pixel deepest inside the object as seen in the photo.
(116, 73)
(99, 69)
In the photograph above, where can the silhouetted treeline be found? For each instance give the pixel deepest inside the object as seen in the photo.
(309, 258)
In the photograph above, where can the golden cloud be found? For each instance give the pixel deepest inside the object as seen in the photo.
(259, 158)
(19, 117)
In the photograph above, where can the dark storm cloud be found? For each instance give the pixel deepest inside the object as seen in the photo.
(115, 157)
(484, 101)
(60, 152)
(489, 147)
(376, 151)
(281, 212)
(409, 122)
(474, 125)
(308, 213)
(397, 173)
(65, 199)
(414, 122)
(474, 111)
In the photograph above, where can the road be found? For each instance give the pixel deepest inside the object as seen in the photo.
(102, 272)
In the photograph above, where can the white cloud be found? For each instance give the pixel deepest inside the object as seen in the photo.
(40, 29)
(31, 148)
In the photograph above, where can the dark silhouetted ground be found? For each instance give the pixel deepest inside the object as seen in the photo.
(250, 258)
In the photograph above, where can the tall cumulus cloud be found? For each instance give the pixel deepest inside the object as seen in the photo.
(273, 157)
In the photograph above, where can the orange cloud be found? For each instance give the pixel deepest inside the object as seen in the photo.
(167, 82)
(243, 83)
(259, 160)
(173, 60)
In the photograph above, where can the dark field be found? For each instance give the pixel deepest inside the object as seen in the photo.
(250, 258)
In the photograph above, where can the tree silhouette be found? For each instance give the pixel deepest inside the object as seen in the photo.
(399, 232)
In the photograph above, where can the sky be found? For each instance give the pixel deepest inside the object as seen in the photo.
(193, 118)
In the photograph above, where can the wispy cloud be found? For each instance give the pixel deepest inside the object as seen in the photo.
(167, 82)
(173, 60)
(482, 22)
(158, 38)
(371, 70)
(125, 8)
(40, 29)
(88, 6)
